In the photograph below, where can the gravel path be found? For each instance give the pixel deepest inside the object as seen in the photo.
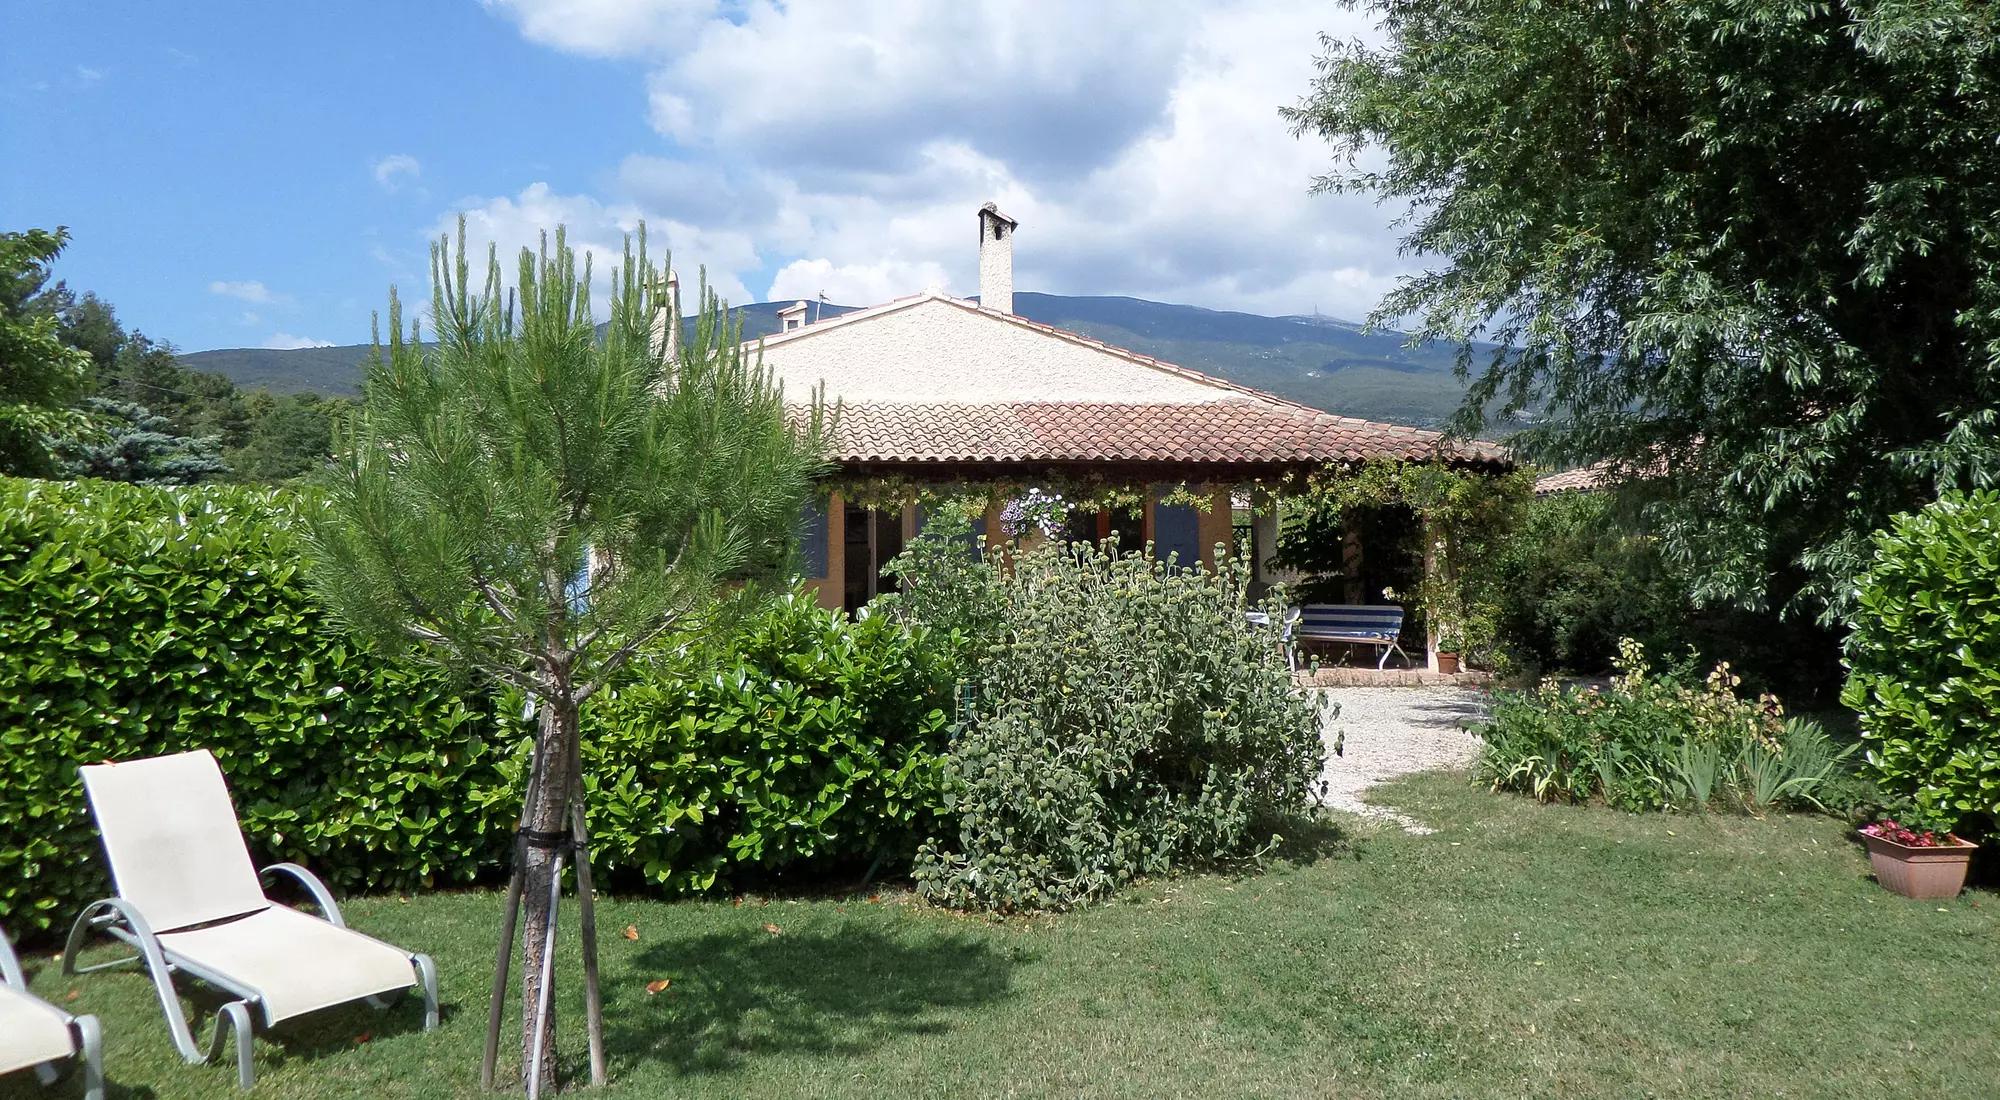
(1394, 731)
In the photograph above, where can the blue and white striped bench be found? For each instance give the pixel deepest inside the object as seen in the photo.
(1359, 624)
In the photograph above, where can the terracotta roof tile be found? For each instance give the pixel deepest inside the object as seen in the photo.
(1229, 431)
(1241, 426)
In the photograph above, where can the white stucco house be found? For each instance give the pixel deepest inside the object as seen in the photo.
(946, 390)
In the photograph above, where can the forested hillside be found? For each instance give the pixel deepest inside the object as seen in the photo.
(1317, 361)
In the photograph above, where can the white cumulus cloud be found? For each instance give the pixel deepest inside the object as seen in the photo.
(249, 290)
(396, 169)
(844, 146)
(877, 282)
(597, 230)
(606, 28)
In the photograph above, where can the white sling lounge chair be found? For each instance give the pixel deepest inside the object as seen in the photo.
(192, 902)
(36, 1033)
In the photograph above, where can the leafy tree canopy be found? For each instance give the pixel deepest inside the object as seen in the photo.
(39, 374)
(1748, 251)
(140, 408)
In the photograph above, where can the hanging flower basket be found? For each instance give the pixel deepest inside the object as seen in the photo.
(1917, 864)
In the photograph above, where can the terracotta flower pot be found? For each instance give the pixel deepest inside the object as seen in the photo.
(1448, 663)
(1937, 871)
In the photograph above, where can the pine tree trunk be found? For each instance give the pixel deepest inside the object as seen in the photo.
(549, 814)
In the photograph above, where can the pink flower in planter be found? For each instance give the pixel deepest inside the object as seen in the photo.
(1896, 834)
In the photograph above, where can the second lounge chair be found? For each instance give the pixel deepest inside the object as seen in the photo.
(36, 1033)
(192, 903)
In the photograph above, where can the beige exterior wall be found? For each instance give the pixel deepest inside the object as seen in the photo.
(994, 535)
(1215, 527)
(904, 352)
(829, 590)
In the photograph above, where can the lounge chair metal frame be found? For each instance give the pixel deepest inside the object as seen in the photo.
(87, 1035)
(120, 919)
(1286, 626)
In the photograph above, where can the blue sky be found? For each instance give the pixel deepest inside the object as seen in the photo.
(240, 174)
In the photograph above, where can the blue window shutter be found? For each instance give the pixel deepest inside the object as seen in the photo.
(1176, 532)
(812, 539)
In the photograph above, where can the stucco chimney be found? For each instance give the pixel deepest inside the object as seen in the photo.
(996, 259)
(792, 316)
(666, 339)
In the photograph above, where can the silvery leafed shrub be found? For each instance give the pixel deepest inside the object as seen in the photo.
(1127, 720)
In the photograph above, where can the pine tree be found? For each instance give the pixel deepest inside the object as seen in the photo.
(530, 500)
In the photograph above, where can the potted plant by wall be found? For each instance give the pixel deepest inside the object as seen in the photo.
(1917, 863)
(1449, 647)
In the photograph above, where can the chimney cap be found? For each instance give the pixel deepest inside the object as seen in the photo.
(993, 210)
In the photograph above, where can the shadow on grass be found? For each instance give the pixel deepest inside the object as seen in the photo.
(1311, 837)
(738, 995)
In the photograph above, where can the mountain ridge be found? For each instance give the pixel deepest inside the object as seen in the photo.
(1324, 362)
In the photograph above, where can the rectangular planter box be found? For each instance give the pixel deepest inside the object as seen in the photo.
(1936, 872)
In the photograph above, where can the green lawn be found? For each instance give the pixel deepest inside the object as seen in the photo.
(1520, 950)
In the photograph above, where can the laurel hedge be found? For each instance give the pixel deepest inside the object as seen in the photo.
(136, 621)
(1924, 664)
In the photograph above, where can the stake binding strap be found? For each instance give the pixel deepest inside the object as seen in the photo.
(544, 840)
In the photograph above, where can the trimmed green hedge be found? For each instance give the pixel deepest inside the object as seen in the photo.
(1924, 662)
(801, 736)
(136, 621)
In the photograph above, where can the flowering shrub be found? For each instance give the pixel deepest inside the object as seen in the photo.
(1655, 740)
(1038, 511)
(950, 588)
(1909, 838)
